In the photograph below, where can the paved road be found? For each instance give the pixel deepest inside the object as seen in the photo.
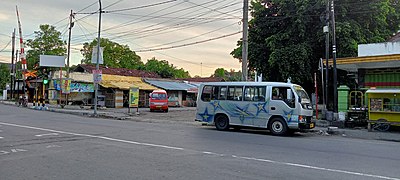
(46, 145)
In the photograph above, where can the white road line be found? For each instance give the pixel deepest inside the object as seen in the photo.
(206, 152)
(1, 137)
(316, 168)
(48, 134)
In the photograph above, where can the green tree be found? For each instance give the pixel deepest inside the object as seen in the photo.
(5, 76)
(164, 69)
(114, 54)
(47, 41)
(286, 38)
(221, 73)
(232, 75)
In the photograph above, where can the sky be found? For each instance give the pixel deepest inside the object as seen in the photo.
(197, 35)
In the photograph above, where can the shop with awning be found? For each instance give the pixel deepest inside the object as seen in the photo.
(180, 93)
(116, 90)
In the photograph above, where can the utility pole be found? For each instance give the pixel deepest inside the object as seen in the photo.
(326, 31)
(96, 85)
(69, 41)
(71, 24)
(12, 66)
(16, 71)
(335, 108)
(201, 69)
(245, 43)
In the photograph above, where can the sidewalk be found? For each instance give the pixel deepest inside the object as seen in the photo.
(185, 115)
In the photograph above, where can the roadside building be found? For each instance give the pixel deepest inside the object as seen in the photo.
(113, 89)
(377, 65)
(180, 93)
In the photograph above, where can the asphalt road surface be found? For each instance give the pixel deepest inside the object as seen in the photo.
(45, 145)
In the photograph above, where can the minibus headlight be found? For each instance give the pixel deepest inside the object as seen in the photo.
(301, 119)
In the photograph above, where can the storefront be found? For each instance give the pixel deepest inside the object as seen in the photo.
(180, 93)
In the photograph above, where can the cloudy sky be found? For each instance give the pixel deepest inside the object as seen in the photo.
(199, 33)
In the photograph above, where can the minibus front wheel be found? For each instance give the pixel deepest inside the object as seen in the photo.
(221, 122)
(278, 126)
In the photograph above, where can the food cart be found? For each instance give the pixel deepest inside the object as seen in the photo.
(383, 108)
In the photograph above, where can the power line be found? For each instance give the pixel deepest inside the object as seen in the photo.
(189, 44)
(209, 32)
(163, 28)
(141, 7)
(6, 46)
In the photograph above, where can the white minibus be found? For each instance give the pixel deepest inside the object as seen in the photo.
(279, 107)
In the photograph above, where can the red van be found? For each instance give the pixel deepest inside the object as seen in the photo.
(158, 100)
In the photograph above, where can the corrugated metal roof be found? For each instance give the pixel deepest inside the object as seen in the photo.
(124, 82)
(172, 85)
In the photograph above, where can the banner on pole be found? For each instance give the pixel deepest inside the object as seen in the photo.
(134, 97)
(94, 55)
(97, 76)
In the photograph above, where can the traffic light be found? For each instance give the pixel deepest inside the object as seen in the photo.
(45, 81)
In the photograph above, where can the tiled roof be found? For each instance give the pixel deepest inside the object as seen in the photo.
(395, 38)
(203, 79)
(117, 71)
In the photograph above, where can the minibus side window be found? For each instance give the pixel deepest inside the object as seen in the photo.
(206, 93)
(284, 94)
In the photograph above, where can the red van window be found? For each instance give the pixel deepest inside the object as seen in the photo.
(157, 96)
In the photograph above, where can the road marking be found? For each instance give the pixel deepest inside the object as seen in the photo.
(3, 152)
(1, 137)
(17, 150)
(52, 146)
(316, 168)
(205, 152)
(48, 134)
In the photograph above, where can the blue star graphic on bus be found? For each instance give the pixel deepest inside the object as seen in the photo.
(242, 112)
(288, 115)
(205, 116)
(261, 107)
(216, 105)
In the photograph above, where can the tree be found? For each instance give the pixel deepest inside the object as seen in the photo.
(5, 76)
(114, 54)
(47, 41)
(286, 38)
(221, 73)
(164, 69)
(227, 76)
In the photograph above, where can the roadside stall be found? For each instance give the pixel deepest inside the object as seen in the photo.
(383, 108)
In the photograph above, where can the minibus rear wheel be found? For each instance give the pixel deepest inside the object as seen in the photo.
(221, 122)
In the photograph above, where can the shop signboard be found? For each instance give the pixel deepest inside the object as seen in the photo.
(134, 97)
(82, 87)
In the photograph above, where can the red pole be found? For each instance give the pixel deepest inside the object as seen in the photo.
(316, 95)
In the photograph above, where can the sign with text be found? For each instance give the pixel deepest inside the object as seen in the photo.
(134, 97)
(82, 87)
(97, 76)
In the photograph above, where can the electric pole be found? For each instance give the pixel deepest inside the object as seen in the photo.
(245, 43)
(69, 41)
(12, 66)
(335, 108)
(326, 31)
(96, 85)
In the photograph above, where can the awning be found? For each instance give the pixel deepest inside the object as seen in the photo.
(380, 91)
(124, 82)
(368, 62)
